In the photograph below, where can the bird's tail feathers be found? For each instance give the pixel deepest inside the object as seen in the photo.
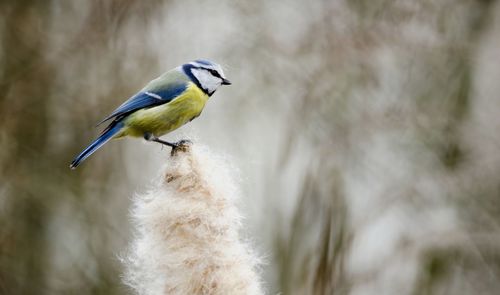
(105, 136)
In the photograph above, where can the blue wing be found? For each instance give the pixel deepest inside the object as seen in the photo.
(147, 99)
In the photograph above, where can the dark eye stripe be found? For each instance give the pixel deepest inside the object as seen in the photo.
(215, 73)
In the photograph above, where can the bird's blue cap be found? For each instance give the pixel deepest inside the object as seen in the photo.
(205, 62)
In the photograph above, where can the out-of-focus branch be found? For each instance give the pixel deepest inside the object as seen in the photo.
(187, 238)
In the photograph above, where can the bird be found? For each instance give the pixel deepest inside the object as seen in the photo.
(166, 103)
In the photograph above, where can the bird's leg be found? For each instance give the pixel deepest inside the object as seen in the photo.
(150, 137)
(180, 145)
(172, 145)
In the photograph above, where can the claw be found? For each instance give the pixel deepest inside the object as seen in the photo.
(181, 146)
(184, 142)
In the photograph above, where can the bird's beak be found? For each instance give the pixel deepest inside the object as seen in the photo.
(226, 81)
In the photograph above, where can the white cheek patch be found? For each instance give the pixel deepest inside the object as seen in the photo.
(207, 81)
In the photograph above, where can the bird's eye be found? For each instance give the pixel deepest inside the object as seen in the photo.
(214, 73)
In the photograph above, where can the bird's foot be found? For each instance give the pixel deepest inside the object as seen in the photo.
(181, 146)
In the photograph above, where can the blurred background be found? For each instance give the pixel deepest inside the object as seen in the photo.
(365, 136)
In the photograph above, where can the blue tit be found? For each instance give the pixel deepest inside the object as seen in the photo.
(163, 105)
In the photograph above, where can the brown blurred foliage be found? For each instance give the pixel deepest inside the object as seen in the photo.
(42, 125)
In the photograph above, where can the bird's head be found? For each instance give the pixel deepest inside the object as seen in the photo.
(206, 74)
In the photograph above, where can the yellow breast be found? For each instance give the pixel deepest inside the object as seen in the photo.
(167, 117)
